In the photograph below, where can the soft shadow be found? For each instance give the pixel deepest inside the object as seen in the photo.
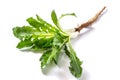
(61, 70)
(62, 76)
(89, 29)
(29, 50)
(85, 75)
(49, 68)
(102, 14)
(81, 35)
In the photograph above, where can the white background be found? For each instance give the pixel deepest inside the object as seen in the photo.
(98, 48)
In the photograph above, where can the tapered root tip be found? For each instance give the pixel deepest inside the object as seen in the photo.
(90, 21)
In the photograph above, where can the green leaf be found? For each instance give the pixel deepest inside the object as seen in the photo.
(54, 18)
(24, 43)
(46, 59)
(21, 32)
(59, 42)
(48, 26)
(75, 63)
(31, 37)
(43, 41)
(42, 21)
(33, 22)
(68, 14)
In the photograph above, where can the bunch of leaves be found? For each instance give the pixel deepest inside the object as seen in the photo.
(51, 39)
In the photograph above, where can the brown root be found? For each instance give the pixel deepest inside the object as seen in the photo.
(90, 21)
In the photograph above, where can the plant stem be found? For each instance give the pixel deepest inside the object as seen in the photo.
(90, 21)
